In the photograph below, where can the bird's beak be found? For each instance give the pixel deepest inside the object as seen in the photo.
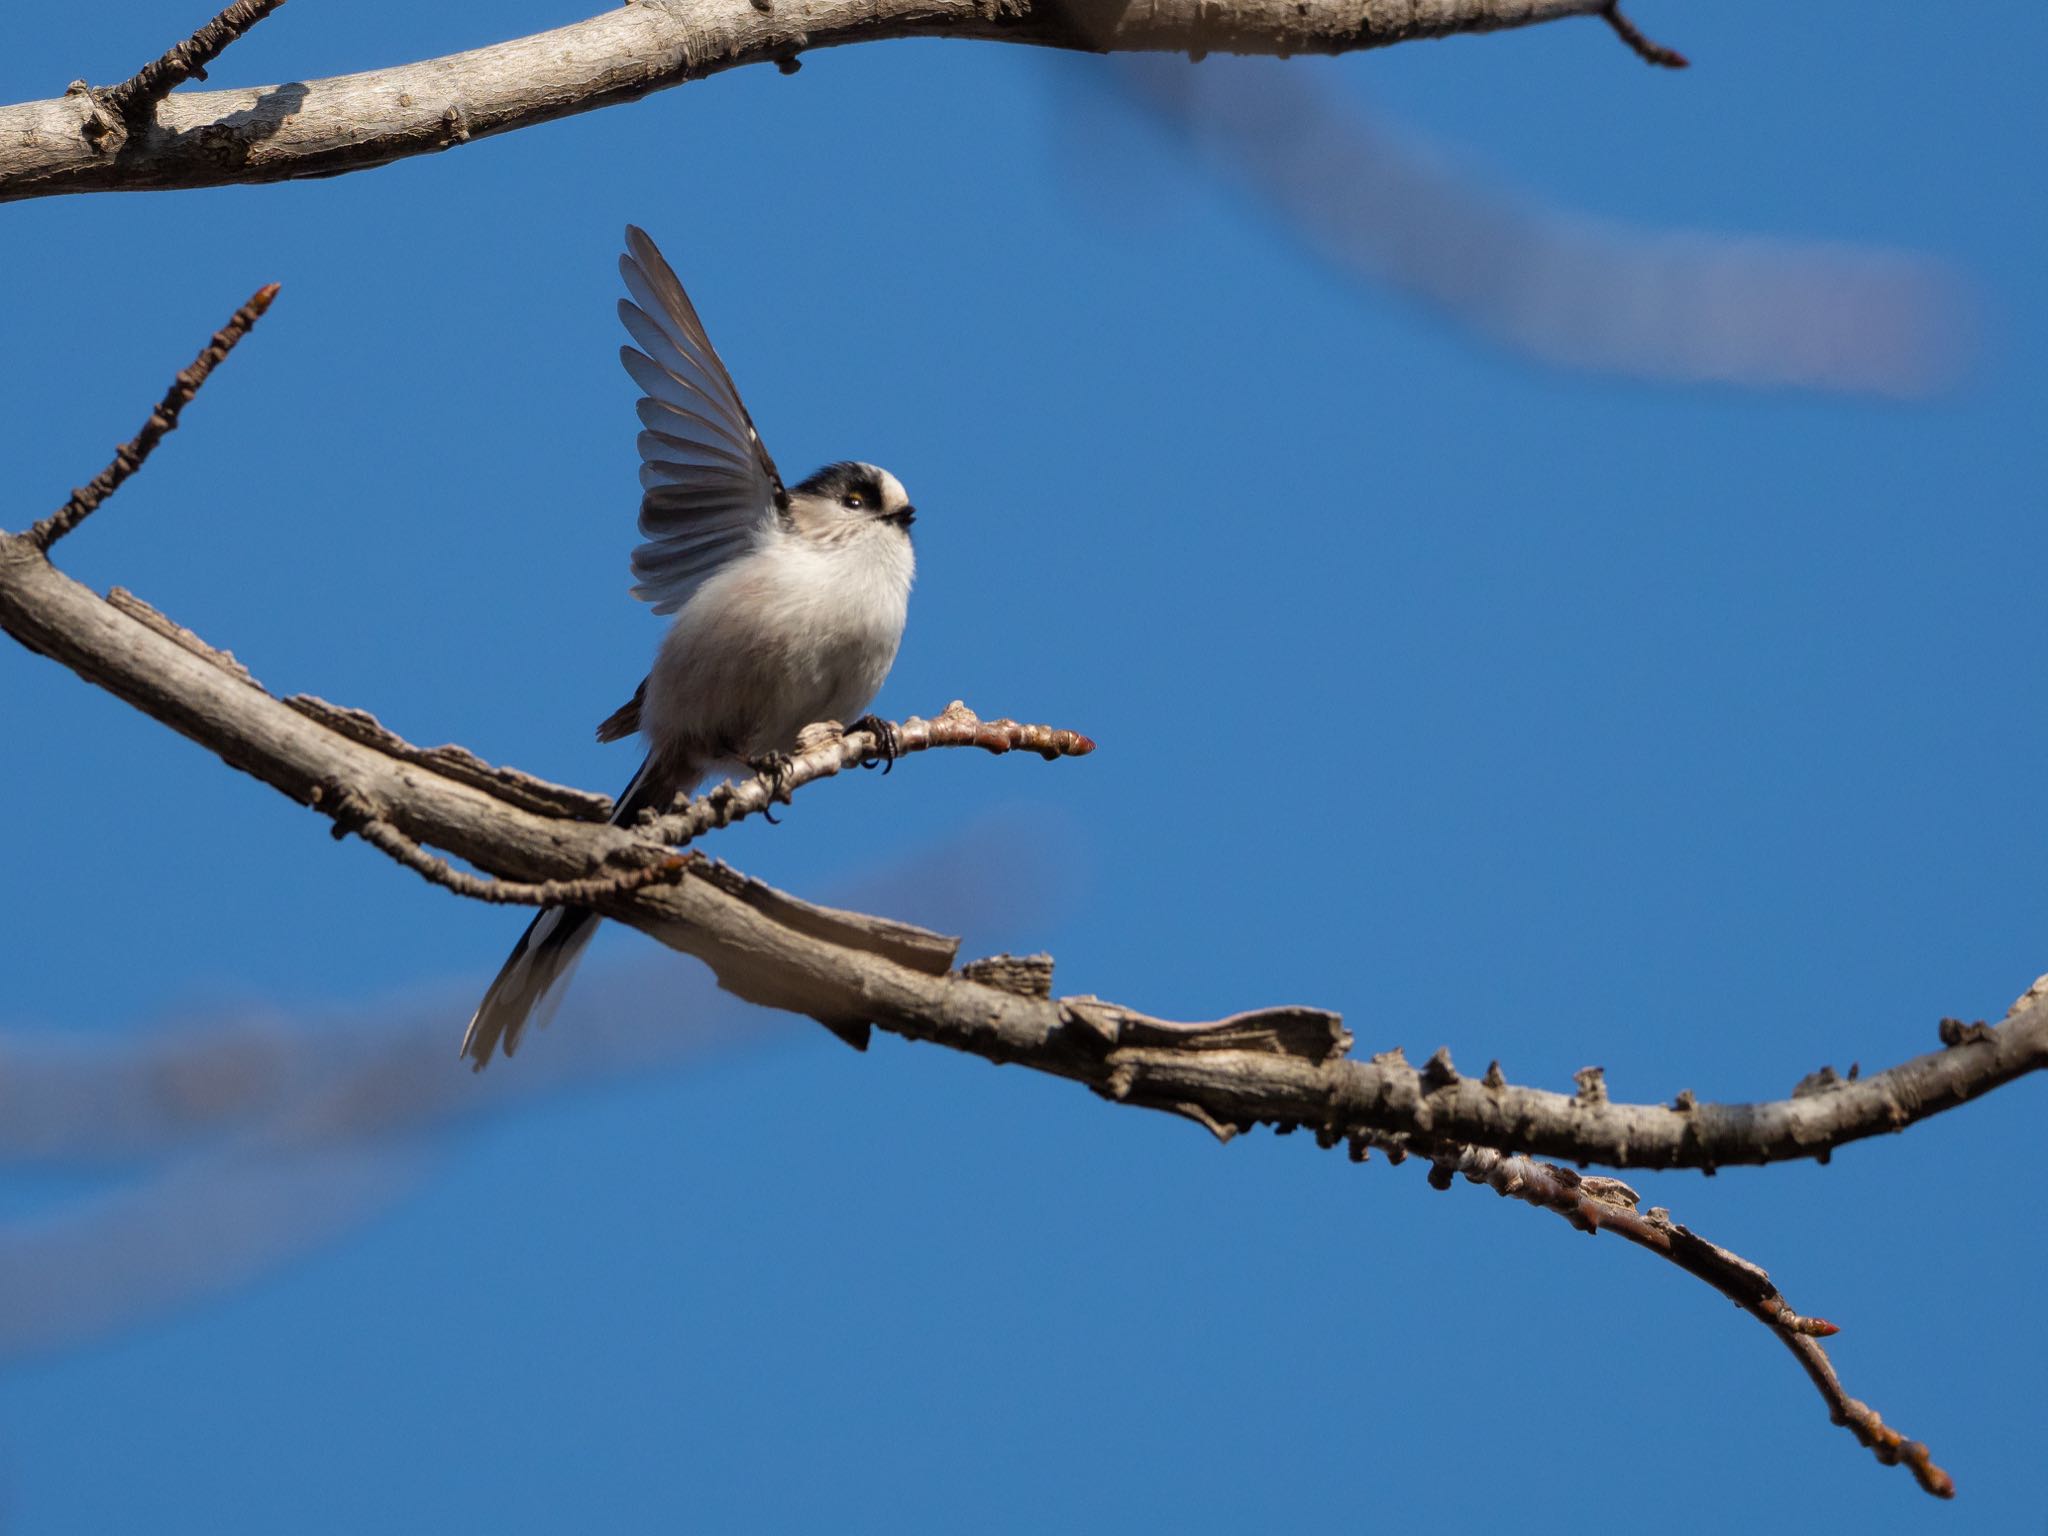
(904, 518)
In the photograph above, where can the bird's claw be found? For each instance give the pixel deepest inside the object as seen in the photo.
(774, 767)
(888, 742)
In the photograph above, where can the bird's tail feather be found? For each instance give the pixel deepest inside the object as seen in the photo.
(529, 985)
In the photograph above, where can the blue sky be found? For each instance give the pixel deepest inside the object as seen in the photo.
(1556, 717)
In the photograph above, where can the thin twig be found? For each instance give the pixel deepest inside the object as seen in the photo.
(1593, 1204)
(134, 98)
(1862, 1420)
(828, 753)
(353, 813)
(130, 455)
(1641, 46)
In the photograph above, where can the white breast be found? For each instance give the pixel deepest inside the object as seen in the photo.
(798, 631)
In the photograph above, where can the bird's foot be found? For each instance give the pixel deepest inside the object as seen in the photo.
(888, 742)
(774, 767)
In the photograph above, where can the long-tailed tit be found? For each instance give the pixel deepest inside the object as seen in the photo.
(789, 603)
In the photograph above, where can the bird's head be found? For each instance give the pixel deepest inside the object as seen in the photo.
(848, 495)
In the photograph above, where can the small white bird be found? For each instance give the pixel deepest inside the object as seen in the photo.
(789, 604)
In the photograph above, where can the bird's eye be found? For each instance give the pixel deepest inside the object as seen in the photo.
(852, 501)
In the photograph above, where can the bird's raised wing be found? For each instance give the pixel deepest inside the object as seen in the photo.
(710, 490)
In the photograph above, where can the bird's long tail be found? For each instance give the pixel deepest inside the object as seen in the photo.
(529, 985)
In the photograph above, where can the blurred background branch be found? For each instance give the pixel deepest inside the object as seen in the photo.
(1559, 288)
(194, 1160)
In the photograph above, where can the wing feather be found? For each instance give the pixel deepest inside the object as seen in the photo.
(666, 448)
(710, 491)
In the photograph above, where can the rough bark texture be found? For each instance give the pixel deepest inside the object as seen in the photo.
(90, 140)
(1283, 1065)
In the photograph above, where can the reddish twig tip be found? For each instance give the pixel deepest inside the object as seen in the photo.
(1930, 1477)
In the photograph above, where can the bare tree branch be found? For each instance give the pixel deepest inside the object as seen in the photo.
(1287, 1065)
(453, 762)
(1263, 1074)
(826, 751)
(824, 756)
(352, 813)
(87, 140)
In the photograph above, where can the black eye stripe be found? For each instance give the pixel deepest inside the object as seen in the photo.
(846, 480)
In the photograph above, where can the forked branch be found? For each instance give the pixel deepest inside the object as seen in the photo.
(134, 98)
